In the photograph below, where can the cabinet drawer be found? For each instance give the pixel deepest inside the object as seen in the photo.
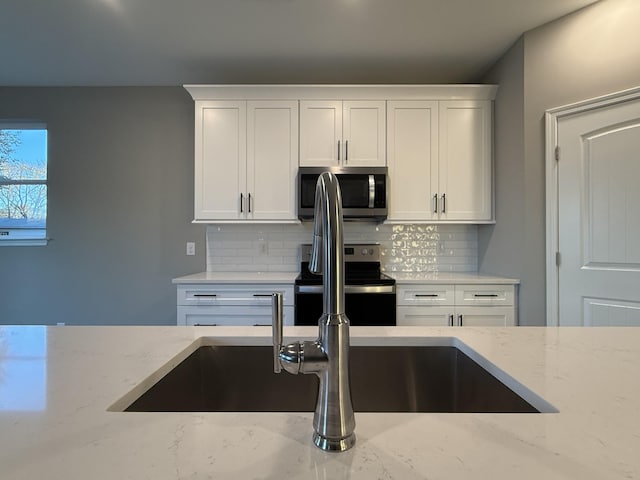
(230, 315)
(425, 295)
(232, 294)
(487, 295)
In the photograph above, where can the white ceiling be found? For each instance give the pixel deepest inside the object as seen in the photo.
(173, 42)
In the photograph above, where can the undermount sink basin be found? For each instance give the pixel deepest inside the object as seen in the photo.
(224, 378)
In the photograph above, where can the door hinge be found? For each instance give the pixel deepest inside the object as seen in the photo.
(557, 259)
(557, 153)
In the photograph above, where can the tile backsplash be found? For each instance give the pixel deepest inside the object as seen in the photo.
(404, 248)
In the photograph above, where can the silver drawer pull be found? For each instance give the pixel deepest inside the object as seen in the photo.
(485, 295)
(431, 295)
(205, 324)
(263, 295)
(205, 295)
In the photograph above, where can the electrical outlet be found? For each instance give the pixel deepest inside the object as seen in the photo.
(191, 248)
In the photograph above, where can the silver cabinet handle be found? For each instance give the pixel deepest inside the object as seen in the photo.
(435, 203)
(346, 151)
(451, 320)
(276, 329)
(206, 295)
(485, 295)
(338, 149)
(241, 203)
(263, 294)
(460, 320)
(444, 203)
(249, 203)
(427, 295)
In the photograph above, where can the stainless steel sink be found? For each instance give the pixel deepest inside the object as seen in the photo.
(227, 378)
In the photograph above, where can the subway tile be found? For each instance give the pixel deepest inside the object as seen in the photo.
(403, 247)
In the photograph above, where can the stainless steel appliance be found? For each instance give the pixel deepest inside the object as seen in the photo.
(363, 190)
(370, 295)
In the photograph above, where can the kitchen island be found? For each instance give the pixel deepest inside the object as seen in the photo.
(58, 384)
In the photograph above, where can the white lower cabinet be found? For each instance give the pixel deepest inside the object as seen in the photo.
(456, 305)
(231, 304)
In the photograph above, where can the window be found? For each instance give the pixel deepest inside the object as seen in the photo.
(23, 184)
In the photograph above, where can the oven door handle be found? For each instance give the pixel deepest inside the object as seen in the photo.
(349, 289)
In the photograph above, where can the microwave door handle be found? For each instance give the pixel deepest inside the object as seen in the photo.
(372, 191)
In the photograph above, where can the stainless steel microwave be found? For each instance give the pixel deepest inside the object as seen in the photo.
(363, 189)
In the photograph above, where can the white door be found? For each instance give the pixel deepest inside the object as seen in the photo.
(599, 216)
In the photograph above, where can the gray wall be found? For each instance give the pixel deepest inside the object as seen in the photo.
(500, 245)
(120, 204)
(589, 53)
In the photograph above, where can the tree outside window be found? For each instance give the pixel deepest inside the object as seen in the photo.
(23, 184)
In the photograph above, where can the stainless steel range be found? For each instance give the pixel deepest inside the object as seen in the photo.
(370, 295)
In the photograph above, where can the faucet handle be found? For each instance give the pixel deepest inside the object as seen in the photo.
(276, 329)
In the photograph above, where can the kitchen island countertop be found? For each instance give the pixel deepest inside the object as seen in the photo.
(57, 384)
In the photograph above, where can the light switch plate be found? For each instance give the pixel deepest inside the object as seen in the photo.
(191, 248)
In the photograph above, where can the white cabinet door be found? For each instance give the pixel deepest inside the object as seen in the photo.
(465, 152)
(484, 316)
(272, 159)
(424, 316)
(220, 159)
(231, 316)
(334, 133)
(320, 133)
(412, 157)
(363, 133)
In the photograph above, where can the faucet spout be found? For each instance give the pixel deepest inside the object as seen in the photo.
(327, 253)
(328, 356)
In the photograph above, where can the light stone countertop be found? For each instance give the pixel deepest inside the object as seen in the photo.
(450, 278)
(237, 277)
(56, 384)
(289, 277)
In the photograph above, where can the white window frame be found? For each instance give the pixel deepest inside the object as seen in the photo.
(24, 236)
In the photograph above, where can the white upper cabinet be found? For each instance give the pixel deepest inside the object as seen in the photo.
(272, 159)
(246, 155)
(440, 161)
(465, 154)
(336, 133)
(412, 157)
(435, 139)
(220, 154)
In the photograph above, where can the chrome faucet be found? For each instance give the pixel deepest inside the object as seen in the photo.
(328, 356)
